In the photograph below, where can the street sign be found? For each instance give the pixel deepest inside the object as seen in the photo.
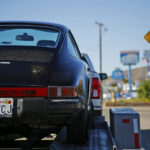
(147, 55)
(144, 60)
(147, 59)
(118, 74)
(147, 37)
(129, 57)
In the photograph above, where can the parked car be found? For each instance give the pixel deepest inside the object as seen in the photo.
(97, 90)
(44, 83)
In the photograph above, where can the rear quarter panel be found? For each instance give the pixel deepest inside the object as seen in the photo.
(70, 71)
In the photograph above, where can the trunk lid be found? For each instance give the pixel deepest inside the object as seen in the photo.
(24, 66)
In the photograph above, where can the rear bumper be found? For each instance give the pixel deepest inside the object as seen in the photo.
(42, 113)
(97, 108)
(97, 104)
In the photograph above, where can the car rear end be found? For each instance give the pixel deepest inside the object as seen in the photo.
(96, 93)
(23, 108)
(30, 97)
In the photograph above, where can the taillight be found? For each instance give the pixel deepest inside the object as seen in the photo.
(23, 91)
(62, 92)
(38, 92)
(96, 88)
(52, 91)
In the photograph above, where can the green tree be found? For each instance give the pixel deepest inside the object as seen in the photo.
(118, 90)
(144, 89)
(125, 80)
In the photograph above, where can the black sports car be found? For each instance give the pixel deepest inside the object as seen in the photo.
(44, 83)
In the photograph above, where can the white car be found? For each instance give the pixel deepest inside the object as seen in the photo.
(97, 92)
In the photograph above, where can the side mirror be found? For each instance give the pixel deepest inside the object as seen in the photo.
(103, 76)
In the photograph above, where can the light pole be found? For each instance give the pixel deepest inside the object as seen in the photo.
(100, 25)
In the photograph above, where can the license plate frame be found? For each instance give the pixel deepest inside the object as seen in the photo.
(6, 107)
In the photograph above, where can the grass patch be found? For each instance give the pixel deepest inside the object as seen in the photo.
(129, 102)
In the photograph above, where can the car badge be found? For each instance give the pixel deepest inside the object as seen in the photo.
(5, 62)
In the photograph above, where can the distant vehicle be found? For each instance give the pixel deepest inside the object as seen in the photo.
(44, 83)
(107, 96)
(97, 92)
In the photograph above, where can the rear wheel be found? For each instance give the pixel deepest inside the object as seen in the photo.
(77, 133)
(98, 112)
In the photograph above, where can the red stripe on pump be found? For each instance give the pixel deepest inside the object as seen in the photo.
(23, 91)
(126, 121)
(136, 138)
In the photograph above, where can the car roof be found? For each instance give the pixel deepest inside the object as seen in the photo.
(63, 28)
(38, 23)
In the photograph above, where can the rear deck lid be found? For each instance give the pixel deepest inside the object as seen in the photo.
(25, 65)
(26, 53)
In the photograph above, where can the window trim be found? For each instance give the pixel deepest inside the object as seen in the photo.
(74, 42)
(33, 27)
(71, 48)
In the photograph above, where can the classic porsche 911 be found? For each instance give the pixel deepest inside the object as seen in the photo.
(44, 83)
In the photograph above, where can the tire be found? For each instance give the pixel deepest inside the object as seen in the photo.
(100, 113)
(77, 133)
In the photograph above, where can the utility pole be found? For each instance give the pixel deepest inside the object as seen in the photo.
(100, 25)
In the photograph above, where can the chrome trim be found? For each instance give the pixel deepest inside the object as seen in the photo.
(97, 108)
(96, 99)
(5, 62)
(89, 108)
(65, 100)
(58, 91)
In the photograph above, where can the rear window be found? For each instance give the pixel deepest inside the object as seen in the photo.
(27, 36)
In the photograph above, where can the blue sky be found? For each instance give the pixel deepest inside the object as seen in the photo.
(127, 22)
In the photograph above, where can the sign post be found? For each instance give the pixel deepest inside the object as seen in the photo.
(129, 58)
(147, 52)
(130, 81)
(147, 59)
(147, 66)
(117, 75)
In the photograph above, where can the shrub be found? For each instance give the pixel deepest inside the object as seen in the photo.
(144, 89)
